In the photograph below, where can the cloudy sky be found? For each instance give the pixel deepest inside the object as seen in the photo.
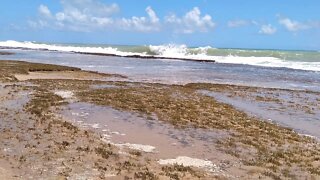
(272, 24)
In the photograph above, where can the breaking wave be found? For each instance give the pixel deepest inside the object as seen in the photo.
(304, 60)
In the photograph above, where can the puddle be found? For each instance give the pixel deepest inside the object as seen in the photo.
(279, 112)
(128, 129)
(12, 114)
(11, 98)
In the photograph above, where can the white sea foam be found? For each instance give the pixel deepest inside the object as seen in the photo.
(66, 48)
(268, 62)
(187, 161)
(139, 147)
(64, 94)
(174, 51)
(309, 136)
(96, 126)
(170, 50)
(181, 51)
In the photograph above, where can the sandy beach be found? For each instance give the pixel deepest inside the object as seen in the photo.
(61, 122)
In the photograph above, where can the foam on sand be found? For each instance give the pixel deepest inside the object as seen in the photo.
(187, 161)
(139, 147)
(64, 94)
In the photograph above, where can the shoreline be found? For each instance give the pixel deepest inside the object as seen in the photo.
(148, 57)
(115, 55)
(5, 53)
(179, 106)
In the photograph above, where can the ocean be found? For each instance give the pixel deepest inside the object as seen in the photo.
(303, 60)
(262, 68)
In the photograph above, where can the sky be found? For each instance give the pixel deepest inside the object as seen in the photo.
(255, 24)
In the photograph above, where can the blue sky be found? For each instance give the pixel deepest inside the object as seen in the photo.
(272, 24)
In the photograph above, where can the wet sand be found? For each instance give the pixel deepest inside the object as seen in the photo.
(76, 124)
(299, 110)
(46, 146)
(80, 75)
(122, 127)
(37, 143)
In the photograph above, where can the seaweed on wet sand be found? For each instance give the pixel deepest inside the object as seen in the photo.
(259, 143)
(145, 174)
(176, 171)
(279, 151)
(9, 68)
(104, 152)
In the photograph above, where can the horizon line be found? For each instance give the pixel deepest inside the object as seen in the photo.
(218, 47)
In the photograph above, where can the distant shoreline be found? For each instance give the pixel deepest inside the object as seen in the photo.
(147, 57)
(6, 53)
(115, 55)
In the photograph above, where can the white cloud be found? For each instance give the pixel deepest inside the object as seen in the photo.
(85, 15)
(237, 23)
(91, 15)
(37, 24)
(90, 7)
(44, 11)
(152, 15)
(267, 29)
(292, 25)
(77, 15)
(143, 24)
(191, 22)
(94, 15)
